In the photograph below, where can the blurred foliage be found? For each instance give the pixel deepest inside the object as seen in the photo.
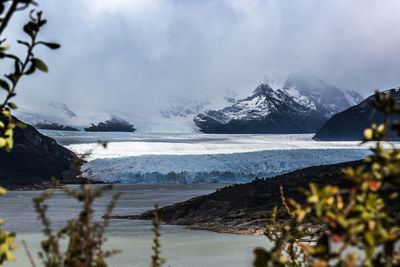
(22, 66)
(358, 227)
(25, 66)
(6, 241)
(156, 260)
(84, 235)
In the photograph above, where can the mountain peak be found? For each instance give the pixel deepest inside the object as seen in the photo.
(63, 108)
(302, 105)
(262, 89)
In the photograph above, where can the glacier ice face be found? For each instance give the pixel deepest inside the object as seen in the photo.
(214, 168)
(123, 145)
(202, 158)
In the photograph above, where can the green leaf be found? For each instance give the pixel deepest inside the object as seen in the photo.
(28, 29)
(42, 22)
(31, 69)
(4, 85)
(17, 68)
(12, 105)
(21, 125)
(12, 77)
(50, 45)
(369, 237)
(23, 43)
(39, 64)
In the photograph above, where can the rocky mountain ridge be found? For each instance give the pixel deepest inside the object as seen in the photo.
(350, 124)
(114, 124)
(300, 105)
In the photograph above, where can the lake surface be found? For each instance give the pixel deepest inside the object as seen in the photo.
(181, 247)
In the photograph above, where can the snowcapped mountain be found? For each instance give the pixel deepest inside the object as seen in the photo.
(58, 114)
(184, 108)
(51, 112)
(62, 108)
(300, 104)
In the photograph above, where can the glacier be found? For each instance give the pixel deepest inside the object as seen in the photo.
(203, 158)
(213, 168)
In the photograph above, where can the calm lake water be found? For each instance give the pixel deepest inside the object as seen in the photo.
(181, 247)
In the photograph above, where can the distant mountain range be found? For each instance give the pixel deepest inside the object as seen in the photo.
(55, 126)
(350, 124)
(52, 113)
(58, 116)
(183, 109)
(114, 124)
(300, 104)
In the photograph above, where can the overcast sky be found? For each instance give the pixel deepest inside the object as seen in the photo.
(136, 55)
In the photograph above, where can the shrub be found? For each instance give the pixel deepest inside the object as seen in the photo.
(359, 229)
(85, 237)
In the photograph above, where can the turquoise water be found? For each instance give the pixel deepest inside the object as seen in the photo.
(182, 247)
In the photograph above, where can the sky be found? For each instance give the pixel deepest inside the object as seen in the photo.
(135, 57)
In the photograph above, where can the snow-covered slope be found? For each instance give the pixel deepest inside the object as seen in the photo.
(183, 108)
(51, 112)
(58, 113)
(301, 104)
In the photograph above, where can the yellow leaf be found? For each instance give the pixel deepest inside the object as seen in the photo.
(10, 256)
(3, 191)
(368, 134)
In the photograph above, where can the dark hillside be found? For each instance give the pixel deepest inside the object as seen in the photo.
(34, 159)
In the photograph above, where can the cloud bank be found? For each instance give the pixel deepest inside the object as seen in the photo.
(134, 56)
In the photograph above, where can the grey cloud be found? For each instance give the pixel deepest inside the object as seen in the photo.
(132, 56)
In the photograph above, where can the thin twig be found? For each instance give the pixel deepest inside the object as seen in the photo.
(8, 16)
(28, 253)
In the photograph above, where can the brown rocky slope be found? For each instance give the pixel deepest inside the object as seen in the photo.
(245, 208)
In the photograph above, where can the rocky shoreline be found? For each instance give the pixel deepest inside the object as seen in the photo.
(245, 208)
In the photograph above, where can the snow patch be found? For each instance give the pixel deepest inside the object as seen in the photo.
(299, 98)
